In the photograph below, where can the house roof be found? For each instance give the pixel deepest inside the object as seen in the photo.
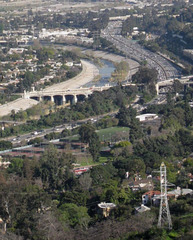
(152, 193)
(142, 209)
(142, 181)
(147, 116)
(183, 191)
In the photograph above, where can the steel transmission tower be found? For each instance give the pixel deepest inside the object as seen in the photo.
(164, 212)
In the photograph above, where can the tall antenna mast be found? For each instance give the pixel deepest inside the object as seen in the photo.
(164, 212)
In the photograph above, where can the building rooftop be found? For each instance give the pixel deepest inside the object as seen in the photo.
(142, 209)
(147, 116)
(152, 193)
(180, 191)
(106, 205)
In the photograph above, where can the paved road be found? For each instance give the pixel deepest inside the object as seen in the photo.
(137, 52)
(17, 140)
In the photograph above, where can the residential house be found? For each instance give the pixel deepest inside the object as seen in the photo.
(69, 64)
(179, 192)
(147, 117)
(4, 164)
(142, 184)
(151, 197)
(141, 209)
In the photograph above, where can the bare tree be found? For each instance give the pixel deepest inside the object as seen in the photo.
(10, 236)
(52, 229)
(111, 229)
(85, 181)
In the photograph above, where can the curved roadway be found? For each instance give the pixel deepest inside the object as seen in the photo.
(137, 52)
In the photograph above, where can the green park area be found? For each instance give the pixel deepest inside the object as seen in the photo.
(86, 160)
(108, 134)
(113, 133)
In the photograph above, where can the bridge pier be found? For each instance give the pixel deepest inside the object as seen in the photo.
(74, 100)
(157, 88)
(63, 99)
(52, 98)
(25, 95)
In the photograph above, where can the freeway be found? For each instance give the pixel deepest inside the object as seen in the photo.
(19, 140)
(133, 50)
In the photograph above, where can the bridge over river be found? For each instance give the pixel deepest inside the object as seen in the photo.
(71, 86)
(61, 97)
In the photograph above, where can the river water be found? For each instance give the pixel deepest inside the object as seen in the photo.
(105, 72)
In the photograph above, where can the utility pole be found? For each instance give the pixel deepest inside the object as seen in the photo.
(164, 212)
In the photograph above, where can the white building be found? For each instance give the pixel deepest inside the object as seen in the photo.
(152, 197)
(147, 117)
(179, 192)
(16, 50)
(141, 209)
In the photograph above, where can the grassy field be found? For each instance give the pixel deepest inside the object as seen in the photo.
(108, 134)
(85, 160)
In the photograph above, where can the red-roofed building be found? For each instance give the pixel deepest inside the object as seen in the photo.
(151, 197)
(80, 170)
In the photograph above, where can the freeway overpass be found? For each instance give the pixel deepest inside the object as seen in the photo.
(186, 80)
(64, 96)
(61, 97)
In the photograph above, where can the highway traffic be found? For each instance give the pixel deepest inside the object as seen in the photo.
(137, 52)
(19, 140)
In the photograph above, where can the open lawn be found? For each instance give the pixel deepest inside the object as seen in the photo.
(108, 134)
(113, 134)
(85, 160)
